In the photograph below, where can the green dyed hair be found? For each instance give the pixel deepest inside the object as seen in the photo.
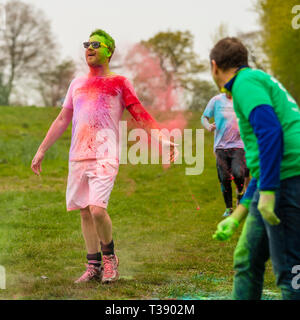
(110, 42)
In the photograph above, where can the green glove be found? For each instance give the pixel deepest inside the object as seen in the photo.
(266, 206)
(226, 229)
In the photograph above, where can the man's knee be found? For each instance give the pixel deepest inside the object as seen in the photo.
(247, 262)
(238, 174)
(98, 213)
(241, 259)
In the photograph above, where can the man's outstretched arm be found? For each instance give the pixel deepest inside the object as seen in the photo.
(142, 116)
(145, 120)
(58, 127)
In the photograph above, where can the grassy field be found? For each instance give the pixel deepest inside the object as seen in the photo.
(163, 242)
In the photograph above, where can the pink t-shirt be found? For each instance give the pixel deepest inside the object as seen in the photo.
(98, 104)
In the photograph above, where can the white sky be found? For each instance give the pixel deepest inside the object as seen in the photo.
(129, 21)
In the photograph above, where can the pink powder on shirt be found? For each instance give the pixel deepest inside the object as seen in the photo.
(98, 103)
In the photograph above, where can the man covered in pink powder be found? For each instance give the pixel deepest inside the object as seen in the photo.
(95, 104)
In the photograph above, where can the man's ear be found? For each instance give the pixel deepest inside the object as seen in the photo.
(214, 67)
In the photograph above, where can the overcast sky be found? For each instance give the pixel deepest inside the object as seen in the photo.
(130, 21)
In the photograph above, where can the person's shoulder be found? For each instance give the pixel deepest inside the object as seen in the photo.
(120, 78)
(253, 80)
(116, 76)
(211, 104)
(216, 98)
(252, 75)
(220, 96)
(78, 79)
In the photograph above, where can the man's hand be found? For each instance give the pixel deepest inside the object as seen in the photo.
(266, 206)
(208, 126)
(57, 128)
(226, 229)
(36, 164)
(211, 127)
(228, 226)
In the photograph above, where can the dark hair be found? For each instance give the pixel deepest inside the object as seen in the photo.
(110, 42)
(229, 53)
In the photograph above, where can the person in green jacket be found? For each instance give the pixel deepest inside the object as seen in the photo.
(269, 122)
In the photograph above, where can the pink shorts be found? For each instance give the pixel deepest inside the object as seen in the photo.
(90, 182)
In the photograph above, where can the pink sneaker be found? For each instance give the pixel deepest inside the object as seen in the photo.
(91, 273)
(110, 268)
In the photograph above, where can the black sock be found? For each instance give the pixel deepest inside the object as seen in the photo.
(94, 259)
(107, 249)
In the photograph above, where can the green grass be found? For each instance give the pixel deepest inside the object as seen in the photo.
(164, 243)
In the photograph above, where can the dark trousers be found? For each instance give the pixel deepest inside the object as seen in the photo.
(231, 163)
(259, 241)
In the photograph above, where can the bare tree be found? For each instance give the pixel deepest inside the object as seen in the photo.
(26, 46)
(53, 83)
(165, 70)
(252, 40)
(254, 43)
(221, 32)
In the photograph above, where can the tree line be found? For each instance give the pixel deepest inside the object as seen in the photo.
(163, 67)
(29, 60)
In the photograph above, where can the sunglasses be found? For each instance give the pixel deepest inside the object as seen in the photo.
(95, 44)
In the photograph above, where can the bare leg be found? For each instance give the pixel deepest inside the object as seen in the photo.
(89, 231)
(102, 223)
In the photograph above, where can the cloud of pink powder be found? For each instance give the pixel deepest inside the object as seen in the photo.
(158, 90)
